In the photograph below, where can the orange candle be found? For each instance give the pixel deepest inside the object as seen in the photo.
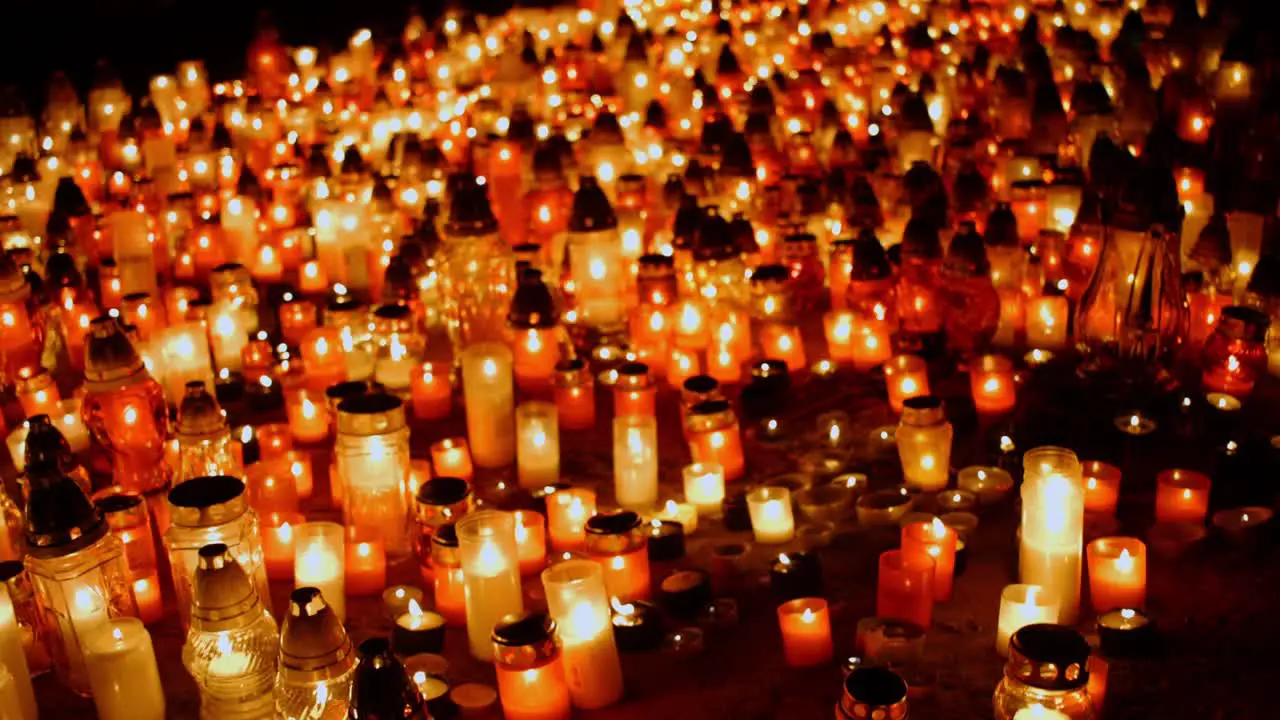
(690, 324)
(682, 365)
(535, 353)
(1101, 487)
(650, 329)
(271, 488)
(724, 362)
(312, 277)
(1117, 573)
(1205, 307)
(839, 326)
(146, 594)
(297, 318)
(938, 541)
(451, 457)
(575, 394)
(534, 690)
(634, 393)
(431, 391)
(626, 575)
(1046, 322)
(277, 543)
(531, 541)
(274, 440)
(872, 346)
(992, 384)
(806, 632)
(268, 266)
(308, 415)
(904, 588)
(365, 566)
(451, 595)
(1182, 496)
(783, 342)
(905, 376)
(567, 513)
(38, 394)
(323, 359)
(714, 437)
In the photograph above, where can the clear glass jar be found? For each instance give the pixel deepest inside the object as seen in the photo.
(924, 443)
(350, 318)
(530, 672)
(317, 661)
(77, 569)
(1047, 669)
(477, 269)
(439, 501)
(714, 437)
(873, 692)
(594, 251)
(232, 646)
(399, 346)
(27, 616)
(372, 450)
(204, 438)
(620, 543)
(1235, 355)
(212, 509)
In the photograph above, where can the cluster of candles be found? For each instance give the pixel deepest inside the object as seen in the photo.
(663, 198)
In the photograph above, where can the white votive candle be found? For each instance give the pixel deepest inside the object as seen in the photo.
(1022, 605)
(319, 562)
(122, 671)
(489, 400)
(537, 444)
(704, 487)
(771, 518)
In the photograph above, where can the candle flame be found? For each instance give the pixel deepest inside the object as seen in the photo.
(1128, 613)
(785, 559)
(116, 634)
(1233, 364)
(622, 608)
(414, 609)
(1124, 563)
(938, 528)
(807, 616)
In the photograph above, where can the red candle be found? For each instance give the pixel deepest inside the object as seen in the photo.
(37, 394)
(431, 391)
(872, 346)
(905, 376)
(451, 457)
(682, 365)
(366, 565)
(783, 342)
(274, 440)
(297, 318)
(992, 384)
(1182, 496)
(904, 590)
(1101, 487)
(531, 541)
(722, 447)
(567, 513)
(634, 401)
(451, 595)
(323, 358)
(535, 353)
(938, 541)
(839, 326)
(1117, 573)
(308, 415)
(271, 487)
(268, 266)
(312, 277)
(575, 394)
(277, 543)
(806, 632)
(146, 594)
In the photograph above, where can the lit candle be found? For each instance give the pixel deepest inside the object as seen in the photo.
(535, 353)
(783, 342)
(690, 324)
(635, 461)
(1053, 527)
(905, 376)
(1039, 712)
(577, 598)
(308, 415)
(184, 357)
(417, 631)
(297, 318)
(772, 520)
(714, 437)
(937, 541)
(568, 510)
(1117, 573)
(806, 632)
(871, 345)
(682, 365)
(529, 669)
(840, 328)
(537, 444)
(319, 550)
(312, 278)
(619, 542)
(323, 358)
(575, 394)
(372, 452)
(122, 672)
(38, 395)
(683, 513)
(491, 571)
(904, 588)
(992, 384)
(1101, 487)
(704, 487)
(451, 457)
(431, 391)
(634, 392)
(488, 398)
(448, 582)
(228, 334)
(395, 600)
(277, 543)
(1022, 605)
(924, 443)
(1047, 322)
(13, 657)
(1182, 496)
(531, 541)
(365, 566)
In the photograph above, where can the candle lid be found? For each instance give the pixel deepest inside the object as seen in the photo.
(444, 546)
(207, 501)
(923, 410)
(1049, 657)
(382, 687)
(702, 387)
(199, 414)
(338, 392)
(591, 209)
(614, 532)
(1244, 323)
(470, 214)
(110, 357)
(532, 305)
(524, 640)
(59, 519)
(445, 490)
(371, 414)
(710, 415)
(115, 503)
(572, 372)
(633, 376)
(46, 447)
(313, 644)
(874, 692)
(222, 595)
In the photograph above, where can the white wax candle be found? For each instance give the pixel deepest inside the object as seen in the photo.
(319, 562)
(1052, 531)
(228, 334)
(491, 575)
(704, 487)
(1022, 605)
(13, 658)
(489, 400)
(184, 357)
(635, 461)
(577, 600)
(122, 672)
(71, 424)
(538, 444)
(772, 520)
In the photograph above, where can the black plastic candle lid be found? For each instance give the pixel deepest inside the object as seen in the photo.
(371, 404)
(875, 687)
(617, 523)
(205, 492)
(444, 491)
(348, 388)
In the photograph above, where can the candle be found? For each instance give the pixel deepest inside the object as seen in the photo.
(531, 541)
(577, 598)
(319, 550)
(489, 402)
(451, 457)
(771, 518)
(277, 543)
(529, 669)
(1053, 527)
(274, 440)
(938, 541)
(904, 588)
(38, 395)
(1022, 605)
(395, 600)
(683, 513)
(431, 391)
(537, 444)
(872, 346)
(714, 437)
(575, 394)
(839, 326)
(1182, 496)
(1047, 322)
(184, 357)
(924, 443)
(1117, 573)
(1101, 487)
(417, 631)
(122, 671)
(297, 319)
(682, 365)
(619, 542)
(783, 342)
(992, 384)
(535, 353)
(490, 567)
(365, 566)
(633, 391)
(567, 513)
(312, 277)
(372, 452)
(905, 376)
(444, 573)
(704, 487)
(806, 632)
(13, 658)
(635, 461)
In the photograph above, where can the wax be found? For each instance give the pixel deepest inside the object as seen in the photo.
(938, 541)
(840, 327)
(1022, 605)
(992, 384)
(704, 487)
(490, 405)
(575, 395)
(1053, 527)
(431, 391)
(635, 461)
(537, 444)
(904, 588)
(451, 457)
(278, 531)
(491, 571)
(319, 557)
(783, 342)
(1182, 496)
(535, 353)
(1117, 573)
(578, 600)
(122, 672)
(567, 513)
(365, 565)
(308, 415)
(534, 693)
(531, 541)
(13, 657)
(806, 632)
(450, 591)
(772, 519)
(1101, 487)
(905, 376)
(1047, 323)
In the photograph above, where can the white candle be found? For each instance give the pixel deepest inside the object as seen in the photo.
(704, 487)
(1022, 605)
(684, 513)
(538, 444)
(319, 562)
(1052, 532)
(1039, 712)
(488, 397)
(771, 517)
(577, 600)
(184, 357)
(70, 423)
(14, 658)
(635, 461)
(122, 672)
(491, 573)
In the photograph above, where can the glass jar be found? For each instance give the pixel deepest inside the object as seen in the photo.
(129, 519)
(873, 692)
(656, 280)
(919, 305)
(1235, 354)
(204, 438)
(594, 252)
(27, 616)
(575, 394)
(124, 408)
(634, 392)
(400, 345)
(534, 337)
(21, 340)
(805, 273)
(924, 443)
(476, 266)
(971, 307)
(445, 575)
(372, 449)
(439, 501)
(714, 437)
(620, 543)
(76, 567)
(491, 572)
(232, 646)
(1047, 669)
(350, 318)
(526, 658)
(382, 687)
(213, 509)
(317, 661)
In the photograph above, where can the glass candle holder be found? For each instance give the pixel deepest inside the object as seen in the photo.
(935, 539)
(319, 562)
(204, 439)
(399, 346)
(184, 358)
(38, 394)
(431, 391)
(127, 515)
(714, 437)
(122, 671)
(1182, 496)
(704, 487)
(372, 451)
(806, 632)
(530, 671)
(317, 661)
(578, 600)
(446, 577)
(905, 376)
(1101, 487)
(635, 461)
(575, 395)
(772, 520)
(992, 383)
(1117, 573)
(451, 457)
(491, 571)
(206, 510)
(1022, 605)
(488, 396)
(537, 444)
(323, 358)
(619, 542)
(568, 510)
(1046, 676)
(1053, 526)
(989, 483)
(1235, 354)
(297, 318)
(924, 443)
(439, 501)
(904, 588)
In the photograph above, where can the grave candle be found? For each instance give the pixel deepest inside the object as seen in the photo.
(537, 444)
(783, 342)
(924, 443)
(531, 541)
(529, 669)
(122, 672)
(840, 327)
(365, 566)
(37, 394)
(905, 376)
(489, 401)
(904, 588)
(451, 457)
(938, 541)
(319, 551)
(635, 461)
(704, 487)
(619, 542)
(634, 392)
(577, 598)
(1046, 322)
(772, 520)
(992, 384)
(323, 358)
(277, 543)
(431, 391)
(14, 659)
(1101, 487)
(491, 571)
(806, 632)
(1117, 573)
(1182, 496)
(307, 411)
(575, 395)
(1053, 526)
(567, 513)
(1022, 605)
(714, 437)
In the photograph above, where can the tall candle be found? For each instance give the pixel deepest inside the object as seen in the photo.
(635, 461)
(904, 588)
(905, 376)
(431, 391)
(772, 519)
(1101, 487)
(577, 599)
(841, 330)
(489, 400)
(537, 444)
(704, 487)
(1117, 573)
(938, 541)
(13, 657)
(806, 632)
(122, 672)
(1182, 496)
(531, 541)
(567, 513)
(319, 557)
(491, 571)
(1022, 605)
(1053, 527)
(1047, 322)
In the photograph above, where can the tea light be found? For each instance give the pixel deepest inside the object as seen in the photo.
(489, 400)
(938, 541)
(1171, 539)
(1117, 573)
(904, 588)
(1037, 357)
(431, 391)
(1241, 523)
(452, 458)
(989, 483)
(883, 507)
(417, 631)
(824, 504)
(531, 541)
(1222, 402)
(1022, 605)
(567, 513)
(795, 575)
(872, 345)
(637, 626)
(1101, 487)
(685, 594)
(806, 632)
(537, 444)
(635, 461)
(1182, 496)
(366, 566)
(771, 517)
(395, 600)
(1125, 632)
(992, 383)
(686, 642)
(704, 487)
(1135, 423)
(905, 376)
